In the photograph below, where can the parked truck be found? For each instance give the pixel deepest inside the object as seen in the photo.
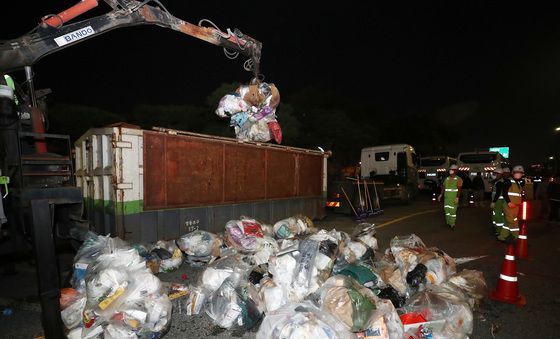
(483, 162)
(147, 185)
(432, 171)
(385, 172)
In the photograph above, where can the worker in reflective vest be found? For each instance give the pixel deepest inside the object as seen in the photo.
(513, 193)
(451, 190)
(497, 205)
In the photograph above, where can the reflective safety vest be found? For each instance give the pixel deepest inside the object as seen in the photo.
(451, 185)
(514, 192)
(10, 82)
(494, 189)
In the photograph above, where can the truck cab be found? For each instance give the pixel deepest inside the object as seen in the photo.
(484, 162)
(395, 166)
(431, 171)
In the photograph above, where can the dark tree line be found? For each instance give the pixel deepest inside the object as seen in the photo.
(310, 118)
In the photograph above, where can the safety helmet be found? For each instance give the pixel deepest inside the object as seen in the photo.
(453, 167)
(498, 170)
(505, 170)
(518, 168)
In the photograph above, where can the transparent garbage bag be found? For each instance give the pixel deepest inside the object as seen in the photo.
(200, 243)
(391, 275)
(214, 275)
(243, 234)
(271, 295)
(122, 292)
(329, 243)
(384, 322)
(472, 283)
(317, 254)
(196, 299)
(302, 321)
(282, 268)
(235, 304)
(348, 301)
(406, 241)
(91, 248)
(365, 233)
(292, 226)
(266, 247)
(440, 302)
(71, 313)
(169, 255)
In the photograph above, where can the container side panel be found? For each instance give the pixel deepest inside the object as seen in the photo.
(148, 226)
(243, 209)
(154, 170)
(221, 215)
(244, 176)
(279, 210)
(280, 174)
(310, 177)
(262, 211)
(194, 172)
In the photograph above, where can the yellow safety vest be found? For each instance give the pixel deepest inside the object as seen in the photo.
(514, 192)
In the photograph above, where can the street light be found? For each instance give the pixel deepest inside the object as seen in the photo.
(557, 129)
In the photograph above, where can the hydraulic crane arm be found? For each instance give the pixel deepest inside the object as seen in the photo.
(53, 35)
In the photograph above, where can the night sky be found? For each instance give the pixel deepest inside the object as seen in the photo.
(491, 70)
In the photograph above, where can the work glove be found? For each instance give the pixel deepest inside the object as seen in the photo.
(511, 205)
(492, 205)
(439, 198)
(456, 200)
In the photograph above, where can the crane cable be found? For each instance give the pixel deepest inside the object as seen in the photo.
(237, 34)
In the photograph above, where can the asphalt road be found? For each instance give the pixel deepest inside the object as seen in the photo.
(539, 279)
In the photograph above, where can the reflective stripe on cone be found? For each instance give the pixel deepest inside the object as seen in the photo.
(508, 278)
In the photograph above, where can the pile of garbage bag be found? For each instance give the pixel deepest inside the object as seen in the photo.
(117, 297)
(333, 284)
(294, 280)
(252, 112)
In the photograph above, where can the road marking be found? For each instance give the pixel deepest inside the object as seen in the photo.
(405, 217)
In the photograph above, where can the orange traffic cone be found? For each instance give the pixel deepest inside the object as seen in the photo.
(507, 290)
(521, 246)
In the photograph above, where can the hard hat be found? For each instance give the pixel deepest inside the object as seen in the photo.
(498, 170)
(518, 168)
(505, 170)
(453, 167)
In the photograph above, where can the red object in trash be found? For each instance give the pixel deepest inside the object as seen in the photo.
(276, 131)
(67, 295)
(507, 290)
(183, 277)
(412, 318)
(252, 228)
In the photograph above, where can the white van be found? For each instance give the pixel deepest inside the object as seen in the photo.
(431, 171)
(484, 162)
